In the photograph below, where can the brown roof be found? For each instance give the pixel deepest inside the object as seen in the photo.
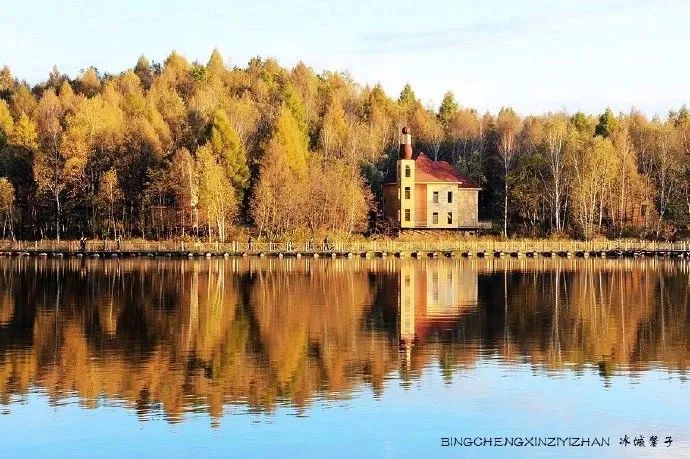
(427, 171)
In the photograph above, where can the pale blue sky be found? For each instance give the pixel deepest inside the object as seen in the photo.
(535, 55)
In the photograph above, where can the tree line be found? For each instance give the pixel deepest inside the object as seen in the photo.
(180, 149)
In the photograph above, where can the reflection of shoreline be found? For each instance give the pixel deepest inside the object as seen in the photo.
(180, 333)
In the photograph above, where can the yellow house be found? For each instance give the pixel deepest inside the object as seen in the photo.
(429, 194)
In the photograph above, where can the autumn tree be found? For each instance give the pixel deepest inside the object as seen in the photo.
(280, 194)
(7, 207)
(183, 173)
(89, 83)
(48, 160)
(594, 167)
(334, 129)
(109, 201)
(665, 170)
(557, 167)
(338, 198)
(6, 122)
(24, 133)
(507, 126)
(216, 194)
(143, 70)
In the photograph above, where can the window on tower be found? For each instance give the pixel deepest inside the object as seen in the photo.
(407, 215)
(407, 192)
(408, 171)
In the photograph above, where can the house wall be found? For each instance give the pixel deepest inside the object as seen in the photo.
(467, 207)
(406, 182)
(443, 207)
(421, 205)
(390, 201)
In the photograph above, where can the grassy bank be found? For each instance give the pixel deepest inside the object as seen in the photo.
(336, 244)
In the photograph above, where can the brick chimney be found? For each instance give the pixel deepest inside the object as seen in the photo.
(405, 144)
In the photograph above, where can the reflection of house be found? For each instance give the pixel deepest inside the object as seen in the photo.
(429, 194)
(432, 296)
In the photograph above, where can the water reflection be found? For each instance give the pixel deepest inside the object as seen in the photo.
(236, 335)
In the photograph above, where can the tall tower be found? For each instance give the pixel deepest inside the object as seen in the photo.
(406, 180)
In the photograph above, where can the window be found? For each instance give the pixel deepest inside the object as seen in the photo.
(407, 192)
(435, 197)
(450, 218)
(434, 218)
(408, 171)
(407, 281)
(643, 210)
(450, 197)
(407, 215)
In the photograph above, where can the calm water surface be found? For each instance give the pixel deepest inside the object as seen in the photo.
(249, 357)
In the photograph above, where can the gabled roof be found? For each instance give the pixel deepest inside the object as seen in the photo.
(428, 171)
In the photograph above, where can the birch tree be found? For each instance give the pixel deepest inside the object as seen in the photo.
(555, 137)
(507, 127)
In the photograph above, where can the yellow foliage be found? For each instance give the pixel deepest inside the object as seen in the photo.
(24, 133)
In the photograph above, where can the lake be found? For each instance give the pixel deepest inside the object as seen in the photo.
(346, 357)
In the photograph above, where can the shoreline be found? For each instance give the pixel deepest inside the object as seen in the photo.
(418, 254)
(343, 248)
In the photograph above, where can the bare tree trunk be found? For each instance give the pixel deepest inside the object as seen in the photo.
(57, 219)
(505, 206)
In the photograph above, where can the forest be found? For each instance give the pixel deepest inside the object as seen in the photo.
(192, 150)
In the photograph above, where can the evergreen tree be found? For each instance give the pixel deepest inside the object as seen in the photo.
(290, 142)
(580, 122)
(215, 65)
(446, 112)
(607, 124)
(227, 147)
(293, 102)
(407, 96)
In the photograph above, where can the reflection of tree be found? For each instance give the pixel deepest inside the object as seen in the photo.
(611, 313)
(181, 335)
